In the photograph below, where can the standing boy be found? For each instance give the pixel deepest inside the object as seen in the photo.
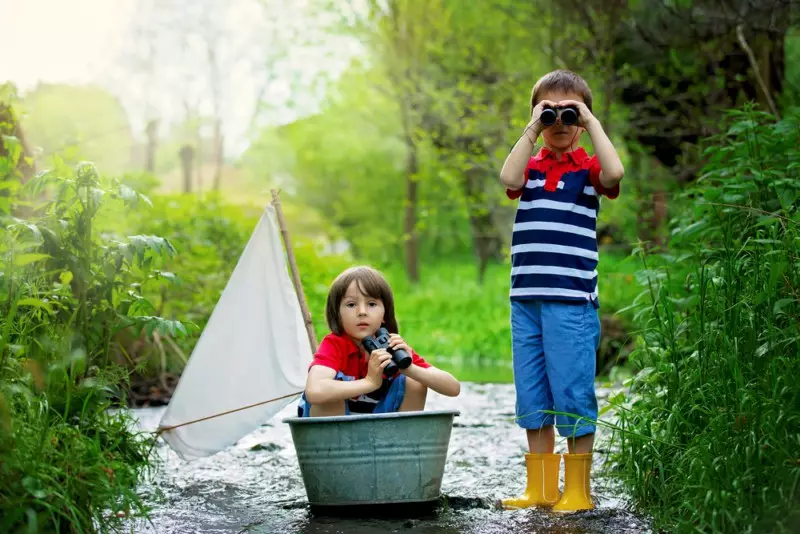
(555, 326)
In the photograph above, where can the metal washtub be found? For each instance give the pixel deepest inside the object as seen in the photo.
(372, 458)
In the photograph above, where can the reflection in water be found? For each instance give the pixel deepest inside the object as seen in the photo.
(255, 485)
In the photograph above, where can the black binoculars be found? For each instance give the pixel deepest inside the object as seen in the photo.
(569, 115)
(400, 358)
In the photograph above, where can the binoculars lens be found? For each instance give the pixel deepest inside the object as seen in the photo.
(569, 116)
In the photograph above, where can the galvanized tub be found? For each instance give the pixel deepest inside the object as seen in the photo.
(372, 458)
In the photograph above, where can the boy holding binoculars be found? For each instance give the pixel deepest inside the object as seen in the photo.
(555, 326)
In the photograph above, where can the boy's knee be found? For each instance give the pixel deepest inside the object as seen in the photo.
(415, 388)
(414, 397)
(328, 409)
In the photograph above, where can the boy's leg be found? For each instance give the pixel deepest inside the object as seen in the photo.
(415, 395)
(404, 395)
(328, 409)
(571, 337)
(530, 375)
(533, 395)
(581, 445)
(542, 439)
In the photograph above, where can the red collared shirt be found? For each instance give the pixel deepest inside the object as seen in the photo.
(547, 163)
(340, 353)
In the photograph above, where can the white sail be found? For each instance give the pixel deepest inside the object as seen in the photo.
(254, 348)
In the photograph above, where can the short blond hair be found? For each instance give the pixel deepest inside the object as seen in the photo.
(561, 80)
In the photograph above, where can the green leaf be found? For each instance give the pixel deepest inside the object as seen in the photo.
(21, 260)
(780, 305)
(35, 487)
(65, 277)
(35, 303)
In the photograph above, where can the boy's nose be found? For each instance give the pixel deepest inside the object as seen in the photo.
(362, 310)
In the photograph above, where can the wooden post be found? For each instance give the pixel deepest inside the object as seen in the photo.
(298, 285)
(152, 140)
(187, 155)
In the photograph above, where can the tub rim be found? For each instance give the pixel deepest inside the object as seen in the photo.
(354, 418)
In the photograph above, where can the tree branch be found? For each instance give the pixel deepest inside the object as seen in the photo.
(756, 71)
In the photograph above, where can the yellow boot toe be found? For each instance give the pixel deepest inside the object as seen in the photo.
(542, 482)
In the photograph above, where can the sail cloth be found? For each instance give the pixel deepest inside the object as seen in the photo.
(254, 348)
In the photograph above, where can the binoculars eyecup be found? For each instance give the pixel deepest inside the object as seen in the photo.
(569, 115)
(400, 358)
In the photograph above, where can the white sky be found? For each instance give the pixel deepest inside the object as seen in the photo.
(90, 41)
(68, 41)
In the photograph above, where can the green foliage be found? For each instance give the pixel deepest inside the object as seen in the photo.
(791, 88)
(70, 287)
(209, 235)
(66, 270)
(716, 395)
(67, 463)
(355, 185)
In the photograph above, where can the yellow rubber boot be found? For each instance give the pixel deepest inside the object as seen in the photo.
(577, 468)
(542, 485)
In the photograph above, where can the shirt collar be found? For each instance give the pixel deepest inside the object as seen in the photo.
(352, 348)
(577, 156)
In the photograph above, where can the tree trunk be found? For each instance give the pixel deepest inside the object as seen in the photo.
(218, 156)
(187, 157)
(152, 142)
(659, 218)
(486, 239)
(412, 244)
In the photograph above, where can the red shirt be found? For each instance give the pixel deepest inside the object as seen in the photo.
(547, 163)
(340, 353)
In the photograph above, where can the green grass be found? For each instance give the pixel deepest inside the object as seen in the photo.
(716, 394)
(67, 464)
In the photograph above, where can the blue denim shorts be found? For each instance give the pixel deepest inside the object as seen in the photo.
(554, 348)
(389, 403)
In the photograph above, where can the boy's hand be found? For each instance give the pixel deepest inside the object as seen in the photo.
(396, 342)
(535, 125)
(585, 117)
(378, 360)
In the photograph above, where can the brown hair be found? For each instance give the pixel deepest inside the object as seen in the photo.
(371, 283)
(561, 80)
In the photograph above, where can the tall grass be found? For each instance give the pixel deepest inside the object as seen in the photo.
(69, 287)
(717, 391)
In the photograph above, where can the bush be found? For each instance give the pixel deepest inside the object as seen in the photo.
(710, 431)
(70, 286)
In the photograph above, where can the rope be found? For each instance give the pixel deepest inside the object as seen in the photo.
(173, 427)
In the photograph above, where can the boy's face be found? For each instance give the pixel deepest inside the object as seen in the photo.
(361, 315)
(558, 137)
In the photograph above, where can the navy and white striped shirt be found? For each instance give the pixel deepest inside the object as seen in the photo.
(554, 244)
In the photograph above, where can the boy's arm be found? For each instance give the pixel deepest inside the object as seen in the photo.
(430, 377)
(435, 379)
(321, 386)
(513, 172)
(611, 167)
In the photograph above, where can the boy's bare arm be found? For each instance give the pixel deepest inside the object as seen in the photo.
(611, 167)
(440, 381)
(513, 172)
(322, 386)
